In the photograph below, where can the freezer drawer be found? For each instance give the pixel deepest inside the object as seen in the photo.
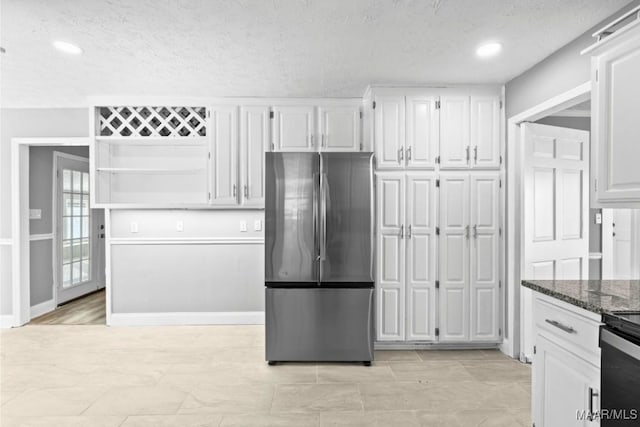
(321, 324)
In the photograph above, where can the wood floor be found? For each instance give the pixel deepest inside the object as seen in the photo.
(88, 310)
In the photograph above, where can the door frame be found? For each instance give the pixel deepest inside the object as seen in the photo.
(20, 262)
(512, 342)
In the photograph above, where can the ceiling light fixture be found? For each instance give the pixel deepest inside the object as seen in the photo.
(67, 47)
(487, 50)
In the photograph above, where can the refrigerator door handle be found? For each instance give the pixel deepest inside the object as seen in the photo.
(323, 218)
(372, 215)
(314, 208)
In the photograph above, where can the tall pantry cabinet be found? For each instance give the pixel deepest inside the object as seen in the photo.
(438, 228)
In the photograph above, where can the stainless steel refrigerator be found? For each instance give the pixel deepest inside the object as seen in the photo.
(319, 257)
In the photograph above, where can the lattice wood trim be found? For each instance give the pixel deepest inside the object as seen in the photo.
(152, 121)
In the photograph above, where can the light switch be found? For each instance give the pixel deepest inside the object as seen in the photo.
(257, 225)
(243, 226)
(598, 218)
(134, 227)
(179, 225)
(35, 213)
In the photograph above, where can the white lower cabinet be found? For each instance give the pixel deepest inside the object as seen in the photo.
(566, 365)
(406, 272)
(469, 257)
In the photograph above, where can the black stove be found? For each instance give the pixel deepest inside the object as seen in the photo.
(620, 369)
(625, 322)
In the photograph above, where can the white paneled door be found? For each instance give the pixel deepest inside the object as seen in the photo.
(421, 257)
(339, 128)
(556, 208)
(455, 149)
(454, 257)
(423, 131)
(485, 250)
(224, 155)
(294, 128)
(485, 132)
(254, 141)
(391, 257)
(389, 132)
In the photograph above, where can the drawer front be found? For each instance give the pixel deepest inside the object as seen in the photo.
(573, 331)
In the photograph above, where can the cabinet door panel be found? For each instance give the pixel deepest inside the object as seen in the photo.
(454, 132)
(389, 132)
(615, 121)
(423, 130)
(561, 383)
(224, 140)
(454, 257)
(294, 128)
(340, 128)
(485, 131)
(421, 256)
(254, 141)
(485, 256)
(390, 258)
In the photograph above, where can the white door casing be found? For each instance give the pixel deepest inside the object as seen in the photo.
(556, 210)
(455, 150)
(294, 128)
(254, 142)
(454, 257)
(485, 256)
(390, 293)
(224, 155)
(421, 256)
(339, 128)
(423, 131)
(389, 132)
(620, 244)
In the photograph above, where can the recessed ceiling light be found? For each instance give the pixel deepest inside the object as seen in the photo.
(67, 47)
(487, 50)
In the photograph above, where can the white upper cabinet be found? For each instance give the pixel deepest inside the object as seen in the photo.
(224, 155)
(484, 265)
(390, 292)
(294, 128)
(389, 132)
(339, 128)
(615, 126)
(254, 142)
(455, 146)
(485, 132)
(423, 131)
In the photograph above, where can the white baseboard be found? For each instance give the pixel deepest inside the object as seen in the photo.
(42, 308)
(164, 319)
(6, 321)
(382, 345)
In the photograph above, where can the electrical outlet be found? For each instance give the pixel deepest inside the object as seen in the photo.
(598, 218)
(179, 225)
(243, 226)
(257, 225)
(134, 227)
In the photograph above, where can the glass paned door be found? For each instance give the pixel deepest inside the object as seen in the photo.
(76, 241)
(77, 237)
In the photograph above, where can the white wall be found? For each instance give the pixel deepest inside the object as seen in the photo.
(209, 267)
(27, 122)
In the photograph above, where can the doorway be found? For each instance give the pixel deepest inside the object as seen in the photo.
(54, 264)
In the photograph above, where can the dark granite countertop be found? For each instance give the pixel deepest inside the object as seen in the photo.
(599, 296)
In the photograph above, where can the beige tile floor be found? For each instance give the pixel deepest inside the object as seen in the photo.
(216, 376)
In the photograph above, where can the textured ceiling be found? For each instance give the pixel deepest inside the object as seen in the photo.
(303, 48)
